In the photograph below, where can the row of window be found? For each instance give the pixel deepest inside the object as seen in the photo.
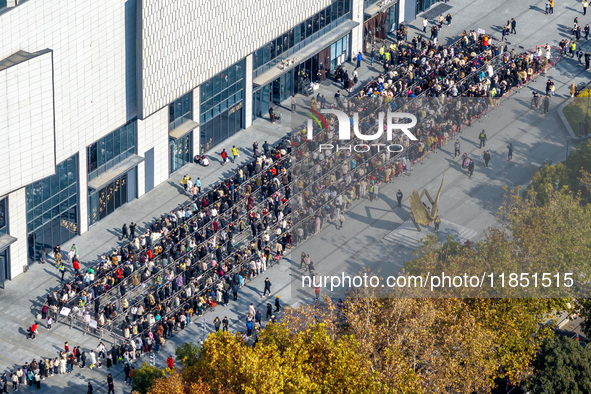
(3, 216)
(52, 196)
(180, 111)
(111, 149)
(300, 36)
(222, 92)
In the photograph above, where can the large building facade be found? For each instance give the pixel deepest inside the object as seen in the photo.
(102, 101)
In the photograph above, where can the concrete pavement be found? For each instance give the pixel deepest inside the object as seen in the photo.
(363, 241)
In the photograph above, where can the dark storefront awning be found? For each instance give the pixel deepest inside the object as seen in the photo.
(306, 53)
(376, 8)
(117, 170)
(6, 240)
(183, 129)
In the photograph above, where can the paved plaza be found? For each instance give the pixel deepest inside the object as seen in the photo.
(376, 235)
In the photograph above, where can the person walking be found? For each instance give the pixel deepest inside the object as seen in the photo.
(124, 232)
(587, 60)
(399, 196)
(513, 26)
(457, 151)
(235, 153)
(551, 7)
(341, 220)
(585, 4)
(225, 324)
(486, 157)
(269, 310)
(110, 384)
(470, 168)
(425, 24)
(293, 103)
(510, 151)
(482, 138)
(267, 287)
(546, 104)
(224, 157)
(132, 227)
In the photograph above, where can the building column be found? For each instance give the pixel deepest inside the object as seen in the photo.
(357, 32)
(82, 192)
(196, 118)
(248, 92)
(17, 227)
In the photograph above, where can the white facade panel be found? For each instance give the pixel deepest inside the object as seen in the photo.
(178, 56)
(88, 40)
(26, 123)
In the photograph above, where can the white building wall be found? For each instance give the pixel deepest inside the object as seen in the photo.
(89, 59)
(26, 123)
(152, 132)
(17, 225)
(196, 112)
(186, 42)
(357, 32)
(248, 92)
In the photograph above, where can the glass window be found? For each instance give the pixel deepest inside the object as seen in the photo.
(59, 194)
(106, 152)
(4, 216)
(180, 110)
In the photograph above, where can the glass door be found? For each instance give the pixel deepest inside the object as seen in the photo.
(4, 268)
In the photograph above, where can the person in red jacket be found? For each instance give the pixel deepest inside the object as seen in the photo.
(76, 265)
(33, 331)
(170, 362)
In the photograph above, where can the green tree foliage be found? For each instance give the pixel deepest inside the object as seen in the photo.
(563, 365)
(144, 377)
(187, 354)
(547, 179)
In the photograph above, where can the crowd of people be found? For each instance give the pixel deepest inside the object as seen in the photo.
(202, 253)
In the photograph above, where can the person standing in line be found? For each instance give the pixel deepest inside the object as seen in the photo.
(425, 24)
(293, 103)
(267, 287)
(457, 151)
(399, 196)
(510, 151)
(585, 4)
(110, 384)
(341, 220)
(277, 304)
(513, 26)
(482, 138)
(437, 223)
(124, 233)
(269, 310)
